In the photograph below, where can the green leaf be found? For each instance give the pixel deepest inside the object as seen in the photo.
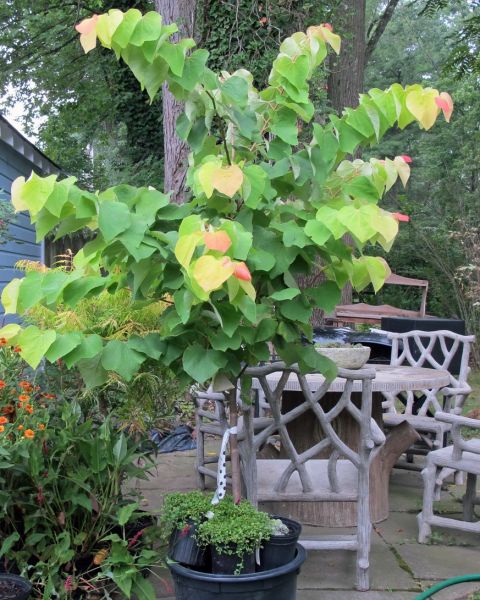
(183, 299)
(79, 289)
(34, 344)
(235, 91)
(113, 219)
(92, 371)
(8, 543)
(10, 294)
(296, 310)
(202, 364)
(317, 232)
(120, 450)
(120, 357)
(286, 294)
(151, 345)
(63, 344)
(90, 346)
(143, 589)
(362, 188)
(284, 124)
(326, 296)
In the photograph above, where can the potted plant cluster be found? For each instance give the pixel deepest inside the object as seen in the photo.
(269, 198)
(215, 544)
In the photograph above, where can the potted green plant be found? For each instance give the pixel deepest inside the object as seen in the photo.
(265, 207)
(279, 548)
(182, 513)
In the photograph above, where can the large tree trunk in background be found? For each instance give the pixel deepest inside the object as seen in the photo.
(345, 80)
(181, 12)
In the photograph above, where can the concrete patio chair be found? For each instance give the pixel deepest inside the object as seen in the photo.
(211, 419)
(444, 350)
(342, 478)
(463, 455)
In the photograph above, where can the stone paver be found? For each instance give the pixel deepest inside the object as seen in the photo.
(400, 567)
(430, 562)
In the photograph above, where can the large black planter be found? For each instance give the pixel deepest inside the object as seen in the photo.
(184, 549)
(276, 584)
(13, 587)
(280, 549)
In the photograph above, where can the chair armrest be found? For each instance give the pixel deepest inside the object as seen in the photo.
(460, 391)
(457, 420)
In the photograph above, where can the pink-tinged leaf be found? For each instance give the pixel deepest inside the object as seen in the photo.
(402, 168)
(406, 158)
(401, 217)
(445, 103)
(88, 33)
(87, 25)
(327, 26)
(218, 241)
(240, 271)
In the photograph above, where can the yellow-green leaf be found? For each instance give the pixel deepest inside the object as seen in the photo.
(185, 247)
(205, 176)
(34, 343)
(421, 103)
(10, 331)
(228, 180)
(210, 272)
(403, 169)
(10, 296)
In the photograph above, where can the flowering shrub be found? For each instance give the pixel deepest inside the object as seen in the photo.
(65, 523)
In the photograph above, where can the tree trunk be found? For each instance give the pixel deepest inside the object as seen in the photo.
(345, 81)
(181, 12)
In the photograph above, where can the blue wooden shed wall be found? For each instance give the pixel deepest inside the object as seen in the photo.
(18, 157)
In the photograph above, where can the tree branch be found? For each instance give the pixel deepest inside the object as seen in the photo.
(381, 24)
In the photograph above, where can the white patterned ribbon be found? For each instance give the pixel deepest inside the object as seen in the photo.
(221, 469)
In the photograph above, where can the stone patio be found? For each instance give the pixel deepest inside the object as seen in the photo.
(400, 567)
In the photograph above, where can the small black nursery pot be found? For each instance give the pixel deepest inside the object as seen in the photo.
(280, 549)
(13, 587)
(184, 549)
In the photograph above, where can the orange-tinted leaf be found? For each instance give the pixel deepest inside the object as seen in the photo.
(401, 217)
(87, 25)
(241, 271)
(406, 158)
(445, 103)
(210, 272)
(325, 32)
(327, 26)
(217, 240)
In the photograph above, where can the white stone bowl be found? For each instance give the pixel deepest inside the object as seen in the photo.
(350, 357)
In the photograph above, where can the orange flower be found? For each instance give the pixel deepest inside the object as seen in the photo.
(3, 420)
(3, 341)
(49, 396)
(20, 427)
(2, 384)
(29, 433)
(17, 349)
(24, 398)
(24, 384)
(7, 410)
(2, 428)
(29, 409)
(41, 427)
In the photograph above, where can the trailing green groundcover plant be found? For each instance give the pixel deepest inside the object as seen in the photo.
(234, 529)
(264, 210)
(182, 509)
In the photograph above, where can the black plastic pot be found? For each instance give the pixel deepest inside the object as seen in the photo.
(13, 587)
(226, 564)
(280, 549)
(184, 549)
(277, 584)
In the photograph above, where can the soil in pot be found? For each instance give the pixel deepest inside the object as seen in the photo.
(276, 584)
(13, 587)
(227, 564)
(280, 549)
(184, 549)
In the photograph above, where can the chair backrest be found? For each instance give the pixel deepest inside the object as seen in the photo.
(434, 350)
(273, 379)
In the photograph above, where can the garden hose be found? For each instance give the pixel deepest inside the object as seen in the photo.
(447, 583)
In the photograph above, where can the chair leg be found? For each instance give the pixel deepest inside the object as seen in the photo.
(424, 529)
(469, 498)
(200, 461)
(364, 533)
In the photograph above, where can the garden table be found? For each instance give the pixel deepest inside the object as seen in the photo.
(305, 432)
